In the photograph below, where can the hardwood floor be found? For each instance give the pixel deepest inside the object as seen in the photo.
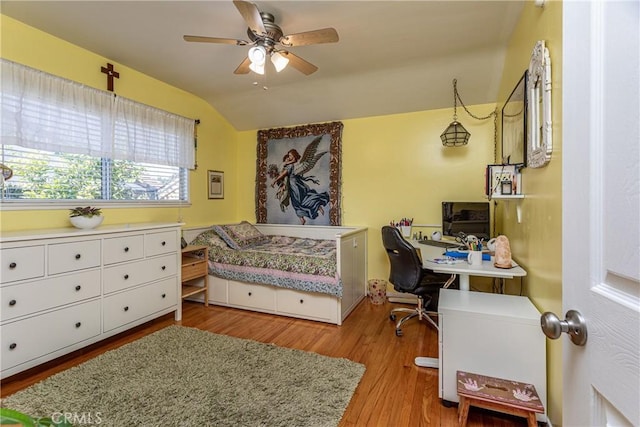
(392, 392)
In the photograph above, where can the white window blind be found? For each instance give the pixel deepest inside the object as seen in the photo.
(45, 112)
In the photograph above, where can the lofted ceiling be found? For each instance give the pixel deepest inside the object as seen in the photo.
(392, 57)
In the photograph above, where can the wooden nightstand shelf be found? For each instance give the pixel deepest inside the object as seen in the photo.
(195, 267)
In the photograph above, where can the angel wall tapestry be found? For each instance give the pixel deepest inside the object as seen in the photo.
(298, 175)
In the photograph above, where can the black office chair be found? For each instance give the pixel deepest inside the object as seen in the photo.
(407, 275)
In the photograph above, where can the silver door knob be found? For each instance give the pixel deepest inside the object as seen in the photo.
(574, 325)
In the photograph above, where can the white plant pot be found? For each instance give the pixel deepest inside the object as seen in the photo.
(86, 222)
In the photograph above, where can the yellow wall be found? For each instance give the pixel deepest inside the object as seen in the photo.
(395, 166)
(537, 241)
(216, 146)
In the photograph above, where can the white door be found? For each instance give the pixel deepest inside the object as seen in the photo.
(601, 210)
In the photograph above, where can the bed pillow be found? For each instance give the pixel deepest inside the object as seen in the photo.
(240, 236)
(210, 238)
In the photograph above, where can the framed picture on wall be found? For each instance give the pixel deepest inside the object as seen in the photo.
(215, 185)
(298, 177)
(514, 125)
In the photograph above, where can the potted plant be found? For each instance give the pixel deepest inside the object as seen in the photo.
(12, 417)
(85, 217)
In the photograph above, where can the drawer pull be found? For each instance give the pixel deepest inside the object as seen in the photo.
(164, 243)
(78, 324)
(301, 301)
(78, 256)
(164, 267)
(249, 293)
(126, 276)
(126, 249)
(12, 346)
(164, 295)
(13, 265)
(12, 302)
(78, 287)
(126, 308)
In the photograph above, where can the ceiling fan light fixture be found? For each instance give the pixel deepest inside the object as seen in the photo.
(279, 61)
(257, 68)
(258, 55)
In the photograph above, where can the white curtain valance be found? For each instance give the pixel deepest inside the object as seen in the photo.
(46, 112)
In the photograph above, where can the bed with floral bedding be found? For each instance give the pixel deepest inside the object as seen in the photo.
(313, 272)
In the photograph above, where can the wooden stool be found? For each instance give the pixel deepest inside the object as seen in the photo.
(509, 397)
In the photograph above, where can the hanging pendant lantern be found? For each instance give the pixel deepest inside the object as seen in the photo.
(455, 135)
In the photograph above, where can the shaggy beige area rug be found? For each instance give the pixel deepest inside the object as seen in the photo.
(183, 376)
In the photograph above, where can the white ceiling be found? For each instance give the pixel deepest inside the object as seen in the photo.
(392, 57)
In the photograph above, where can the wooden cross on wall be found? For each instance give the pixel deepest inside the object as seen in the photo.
(111, 73)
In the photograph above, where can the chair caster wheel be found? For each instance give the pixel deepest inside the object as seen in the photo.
(398, 332)
(392, 317)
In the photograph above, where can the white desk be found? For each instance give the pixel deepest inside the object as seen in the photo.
(490, 334)
(462, 269)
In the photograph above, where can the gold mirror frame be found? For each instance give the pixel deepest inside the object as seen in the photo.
(539, 142)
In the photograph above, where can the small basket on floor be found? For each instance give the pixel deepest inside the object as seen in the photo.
(377, 291)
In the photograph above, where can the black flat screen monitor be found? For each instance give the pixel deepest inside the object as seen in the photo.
(466, 217)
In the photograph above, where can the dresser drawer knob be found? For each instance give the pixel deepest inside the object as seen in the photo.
(13, 265)
(164, 267)
(126, 308)
(126, 276)
(78, 324)
(164, 243)
(126, 249)
(249, 293)
(12, 346)
(78, 287)
(78, 256)
(12, 302)
(164, 295)
(301, 301)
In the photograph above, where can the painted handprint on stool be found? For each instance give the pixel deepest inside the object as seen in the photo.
(524, 395)
(471, 385)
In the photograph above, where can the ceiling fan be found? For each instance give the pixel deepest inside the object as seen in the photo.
(266, 37)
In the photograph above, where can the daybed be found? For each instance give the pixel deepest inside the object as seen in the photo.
(251, 267)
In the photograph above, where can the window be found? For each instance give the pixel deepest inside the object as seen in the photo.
(44, 175)
(66, 141)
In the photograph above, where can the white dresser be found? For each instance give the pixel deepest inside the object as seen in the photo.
(490, 334)
(63, 289)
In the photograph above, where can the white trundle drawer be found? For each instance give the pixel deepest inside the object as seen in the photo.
(160, 243)
(218, 290)
(64, 257)
(303, 304)
(21, 263)
(124, 276)
(37, 336)
(253, 296)
(124, 248)
(129, 306)
(30, 297)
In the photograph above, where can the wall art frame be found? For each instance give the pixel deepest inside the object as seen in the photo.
(514, 125)
(540, 141)
(215, 184)
(302, 187)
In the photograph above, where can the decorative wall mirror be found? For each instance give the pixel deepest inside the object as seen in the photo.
(539, 142)
(514, 125)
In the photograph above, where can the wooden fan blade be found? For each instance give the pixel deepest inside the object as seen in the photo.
(251, 14)
(325, 35)
(243, 68)
(202, 39)
(299, 64)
